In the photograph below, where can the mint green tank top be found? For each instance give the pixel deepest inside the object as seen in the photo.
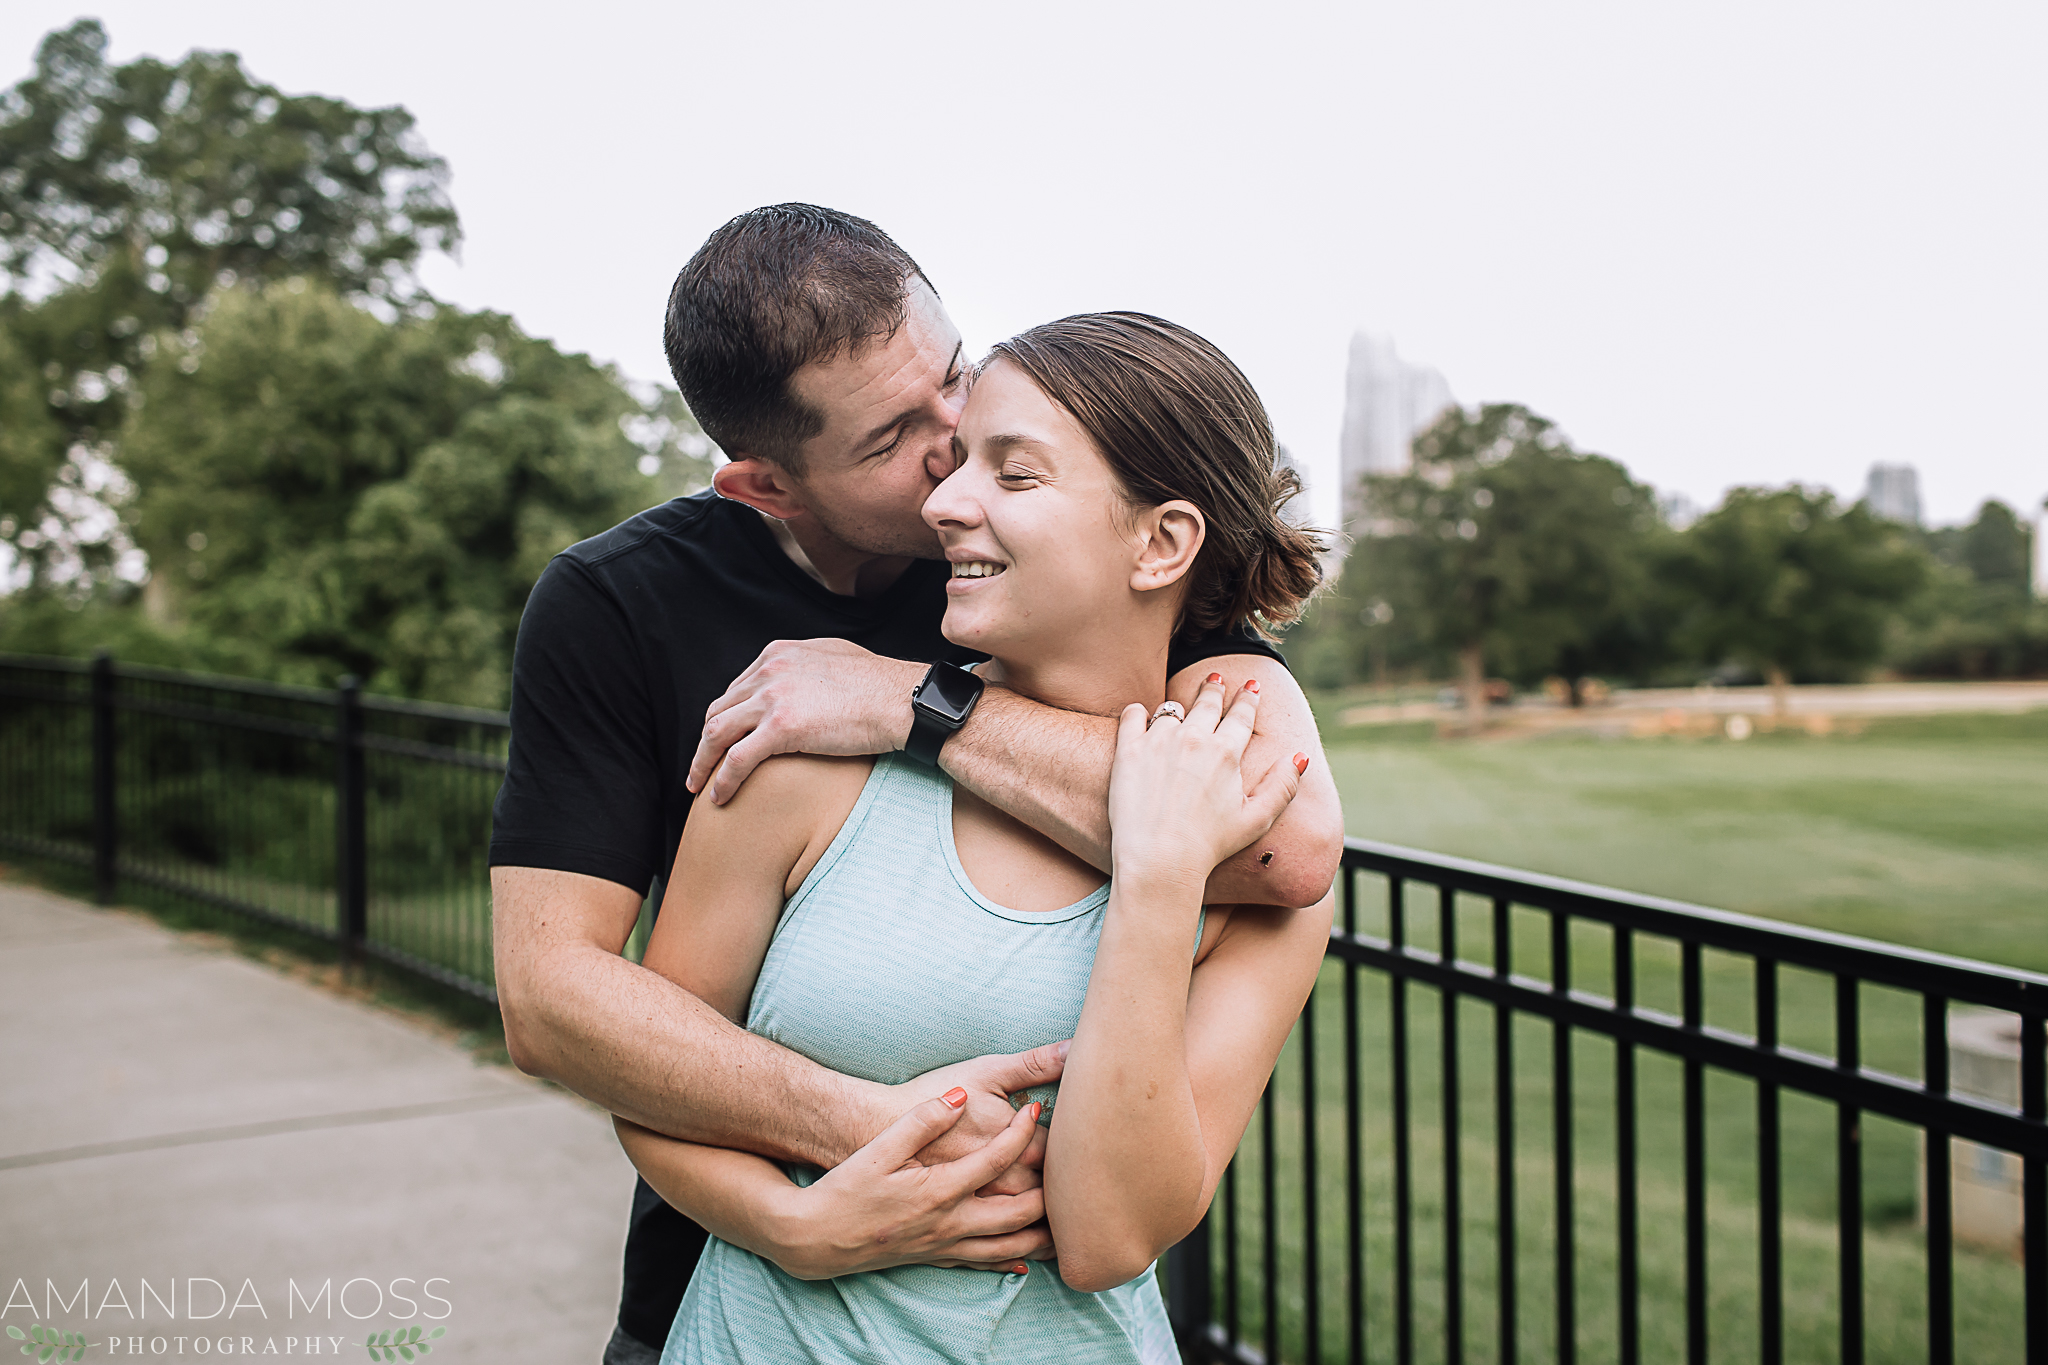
(885, 964)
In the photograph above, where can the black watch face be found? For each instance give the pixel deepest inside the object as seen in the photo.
(949, 691)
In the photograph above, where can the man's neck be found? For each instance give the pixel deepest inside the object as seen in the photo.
(833, 564)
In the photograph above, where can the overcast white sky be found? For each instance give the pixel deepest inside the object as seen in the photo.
(1725, 243)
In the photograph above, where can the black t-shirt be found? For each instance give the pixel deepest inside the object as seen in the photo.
(627, 639)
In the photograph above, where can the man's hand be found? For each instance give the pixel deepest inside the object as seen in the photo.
(885, 1206)
(986, 1112)
(802, 697)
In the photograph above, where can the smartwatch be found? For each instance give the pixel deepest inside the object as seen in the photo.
(940, 705)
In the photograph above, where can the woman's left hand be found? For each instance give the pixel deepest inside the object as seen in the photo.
(1177, 802)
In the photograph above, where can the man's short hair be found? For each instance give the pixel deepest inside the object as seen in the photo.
(770, 292)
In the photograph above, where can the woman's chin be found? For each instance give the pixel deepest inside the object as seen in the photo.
(971, 625)
(960, 626)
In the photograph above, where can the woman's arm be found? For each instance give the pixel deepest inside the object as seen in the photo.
(1168, 1060)
(735, 866)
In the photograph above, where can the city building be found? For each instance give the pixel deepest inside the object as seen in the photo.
(2041, 551)
(1387, 401)
(1893, 492)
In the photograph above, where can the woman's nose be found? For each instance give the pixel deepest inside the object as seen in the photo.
(951, 503)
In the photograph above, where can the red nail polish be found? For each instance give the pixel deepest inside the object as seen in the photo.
(1251, 684)
(1214, 678)
(1036, 1110)
(955, 1097)
(1020, 1269)
(1301, 763)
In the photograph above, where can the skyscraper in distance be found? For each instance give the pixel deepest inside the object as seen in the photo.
(2041, 551)
(1893, 492)
(1387, 403)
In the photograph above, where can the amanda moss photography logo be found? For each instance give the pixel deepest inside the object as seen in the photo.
(196, 1316)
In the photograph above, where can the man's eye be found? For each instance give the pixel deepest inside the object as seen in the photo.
(889, 448)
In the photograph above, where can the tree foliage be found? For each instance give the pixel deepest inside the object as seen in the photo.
(129, 192)
(216, 360)
(193, 169)
(1790, 583)
(1977, 617)
(1507, 548)
(323, 491)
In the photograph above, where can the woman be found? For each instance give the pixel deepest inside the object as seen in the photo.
(1117, 484)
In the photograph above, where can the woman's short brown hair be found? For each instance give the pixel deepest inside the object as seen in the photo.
(1176, 419)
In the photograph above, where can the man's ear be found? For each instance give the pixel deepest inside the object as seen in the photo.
(761, 484)
(1169, 537)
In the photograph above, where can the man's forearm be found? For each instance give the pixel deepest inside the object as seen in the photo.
(1043, 766)
(690, 1072)
(1050, 769)
(639, 1045)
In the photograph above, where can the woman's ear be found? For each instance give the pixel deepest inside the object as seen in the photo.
(761, 484)
(1169, 537)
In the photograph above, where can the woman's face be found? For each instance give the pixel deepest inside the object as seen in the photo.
(1034, 525)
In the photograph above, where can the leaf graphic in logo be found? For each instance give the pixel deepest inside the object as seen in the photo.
(404, 1343)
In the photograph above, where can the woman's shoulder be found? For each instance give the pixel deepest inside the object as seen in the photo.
(792, 786)
(792, 804)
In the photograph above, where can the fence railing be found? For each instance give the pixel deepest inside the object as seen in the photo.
(1520, 1119)
(1564, 1123)
(360, 820)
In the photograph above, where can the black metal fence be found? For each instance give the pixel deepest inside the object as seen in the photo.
(359, 820)
(1521, 1119)
(1562, 1123)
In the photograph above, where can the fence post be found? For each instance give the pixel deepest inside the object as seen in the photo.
(1187, 1289)
(105, 830)
(351, 899)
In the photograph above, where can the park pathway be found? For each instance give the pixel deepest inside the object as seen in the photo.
(173, 1112)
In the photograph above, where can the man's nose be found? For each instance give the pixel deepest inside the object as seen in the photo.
(940, 461)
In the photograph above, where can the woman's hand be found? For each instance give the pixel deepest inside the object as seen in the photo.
(1177, 803)
(908, 1213)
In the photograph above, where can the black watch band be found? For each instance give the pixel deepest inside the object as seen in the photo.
(939, 706)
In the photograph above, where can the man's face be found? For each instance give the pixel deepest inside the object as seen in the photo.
(888, 438)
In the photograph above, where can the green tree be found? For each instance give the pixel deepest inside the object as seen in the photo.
(1977, 616)
(31, 448)
(1505, 547)
(129, 192)
(324, 491)
(1789, 583)
(1998, 547)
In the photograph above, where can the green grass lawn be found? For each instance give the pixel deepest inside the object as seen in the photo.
(1930, 832)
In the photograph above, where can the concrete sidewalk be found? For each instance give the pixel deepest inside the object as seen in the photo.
(171, 1112)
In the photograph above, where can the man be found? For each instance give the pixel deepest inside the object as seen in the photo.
(797, 607)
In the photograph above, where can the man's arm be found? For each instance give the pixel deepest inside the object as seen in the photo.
(631, 1040)
(1050, 769)
(1046, 767)
(579, 1014)
(881, 1207)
